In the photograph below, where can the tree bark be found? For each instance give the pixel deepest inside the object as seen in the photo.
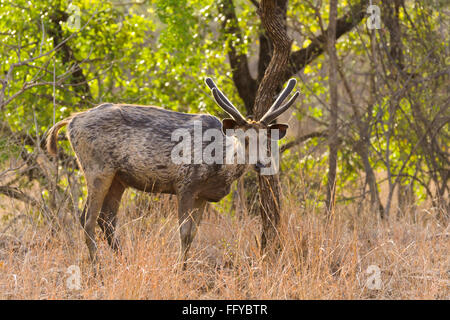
(332, 128)
(80, 83)
(390, 16)
(272, 15)
(370, 175)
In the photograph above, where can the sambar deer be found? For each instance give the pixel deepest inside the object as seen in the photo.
(119, 146)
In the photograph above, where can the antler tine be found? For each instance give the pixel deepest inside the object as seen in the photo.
(210, 83)
(283, 95)
(233, 112)
(223, 102)
(272, 116)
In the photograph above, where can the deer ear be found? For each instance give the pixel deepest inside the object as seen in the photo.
(228, 124)
(281, 127)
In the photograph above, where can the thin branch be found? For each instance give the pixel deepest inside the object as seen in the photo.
(301, 139)
(15, 193)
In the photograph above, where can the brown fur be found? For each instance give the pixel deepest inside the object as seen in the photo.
(121, 146)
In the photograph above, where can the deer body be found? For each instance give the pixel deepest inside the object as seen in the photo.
(121, 146)
(135, 143)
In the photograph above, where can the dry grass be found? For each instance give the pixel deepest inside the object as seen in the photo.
(319, 259)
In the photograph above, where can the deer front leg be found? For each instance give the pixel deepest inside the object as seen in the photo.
(190, 211)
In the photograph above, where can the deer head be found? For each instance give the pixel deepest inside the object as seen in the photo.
(238, 121)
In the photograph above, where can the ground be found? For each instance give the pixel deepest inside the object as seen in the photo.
(354, 255)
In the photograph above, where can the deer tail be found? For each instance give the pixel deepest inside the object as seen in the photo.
(52, 136)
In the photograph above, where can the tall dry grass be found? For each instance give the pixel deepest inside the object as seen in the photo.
(319, 258)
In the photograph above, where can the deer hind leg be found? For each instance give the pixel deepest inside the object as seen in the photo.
(190, 211)
(108, 213)
(98, 186)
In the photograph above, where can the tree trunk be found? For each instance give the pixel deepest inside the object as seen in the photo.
(272, 15)
(370, 175)
(371, 181)
(79, 81)
(333, 130)
(390, 17)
